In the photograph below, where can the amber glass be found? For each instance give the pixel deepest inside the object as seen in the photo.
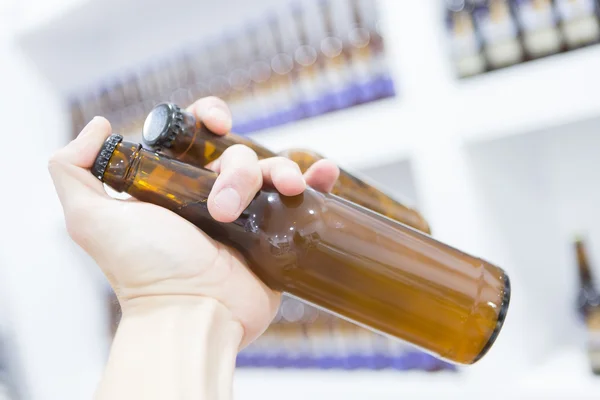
(588, 304)
(358, 191)
(593, 326)
(336, 255)
(588, 295)
(188, 140)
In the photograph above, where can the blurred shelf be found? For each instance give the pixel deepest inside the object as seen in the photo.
(563, 376)
(551, 91)
(126, 34)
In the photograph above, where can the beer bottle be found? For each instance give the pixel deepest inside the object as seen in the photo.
(178, 134)
(333, 254)
(588, 304)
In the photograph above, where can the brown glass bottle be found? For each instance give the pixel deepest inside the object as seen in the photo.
(588, 304)
(331, 253)
(178, 134)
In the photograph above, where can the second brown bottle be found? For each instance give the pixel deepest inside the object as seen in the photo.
(174, 132)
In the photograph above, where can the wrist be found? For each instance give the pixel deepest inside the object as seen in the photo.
(173, 347)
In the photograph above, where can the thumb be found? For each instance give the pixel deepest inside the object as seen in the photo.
(69, 167)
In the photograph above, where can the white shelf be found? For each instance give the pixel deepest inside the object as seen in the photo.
(368, 135)
(540, 94)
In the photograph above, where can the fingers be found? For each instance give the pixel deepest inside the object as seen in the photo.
(283, 174)
(68, 166)
(240, 178)
(214, 113)
(322, 175)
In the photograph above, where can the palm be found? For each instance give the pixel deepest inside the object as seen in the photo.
(167, 255)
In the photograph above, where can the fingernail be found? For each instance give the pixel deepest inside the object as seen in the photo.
(219, 115)
(228, 200)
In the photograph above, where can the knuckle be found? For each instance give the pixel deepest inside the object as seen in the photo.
(281, 160)
(240, 151)
(251, 177)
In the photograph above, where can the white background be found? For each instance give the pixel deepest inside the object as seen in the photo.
(504, 166)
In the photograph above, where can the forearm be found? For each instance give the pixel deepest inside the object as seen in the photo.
(172, 348)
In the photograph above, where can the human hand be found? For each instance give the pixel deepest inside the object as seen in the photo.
(149, 254)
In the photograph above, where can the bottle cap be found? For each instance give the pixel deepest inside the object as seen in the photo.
(162, 124)
(106, 152)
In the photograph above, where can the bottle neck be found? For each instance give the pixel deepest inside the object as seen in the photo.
(356, 14)
(299, 22)
(197, 145)
(327, 18)
(154, 178)
(121, 166)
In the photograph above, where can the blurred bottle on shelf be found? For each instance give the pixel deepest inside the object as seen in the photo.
(133, 109)
(78, 120)
(116, 94)
(218, 83)
(9, 387)
(200, 67)
(465, 41)
(588, 304)
(307, 75)
(336, 57)
(580, 22)
(11, 372)
(241, 102)
(364, 66)
(261, 83)
(498, 28)
(367, 35)
(538, 21)
(282, 64)
(184, 79)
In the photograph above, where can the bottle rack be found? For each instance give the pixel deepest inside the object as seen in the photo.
(487, 35)
(305, 60)
(303, 337)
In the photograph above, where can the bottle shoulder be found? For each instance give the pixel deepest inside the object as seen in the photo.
(275, 213)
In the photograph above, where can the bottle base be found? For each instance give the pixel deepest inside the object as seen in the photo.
(501, 317)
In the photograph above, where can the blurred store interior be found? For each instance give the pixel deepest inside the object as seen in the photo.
(483, 114)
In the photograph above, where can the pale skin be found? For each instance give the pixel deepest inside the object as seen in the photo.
(189, 303)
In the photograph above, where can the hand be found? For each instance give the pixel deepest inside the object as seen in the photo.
(151, 255)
